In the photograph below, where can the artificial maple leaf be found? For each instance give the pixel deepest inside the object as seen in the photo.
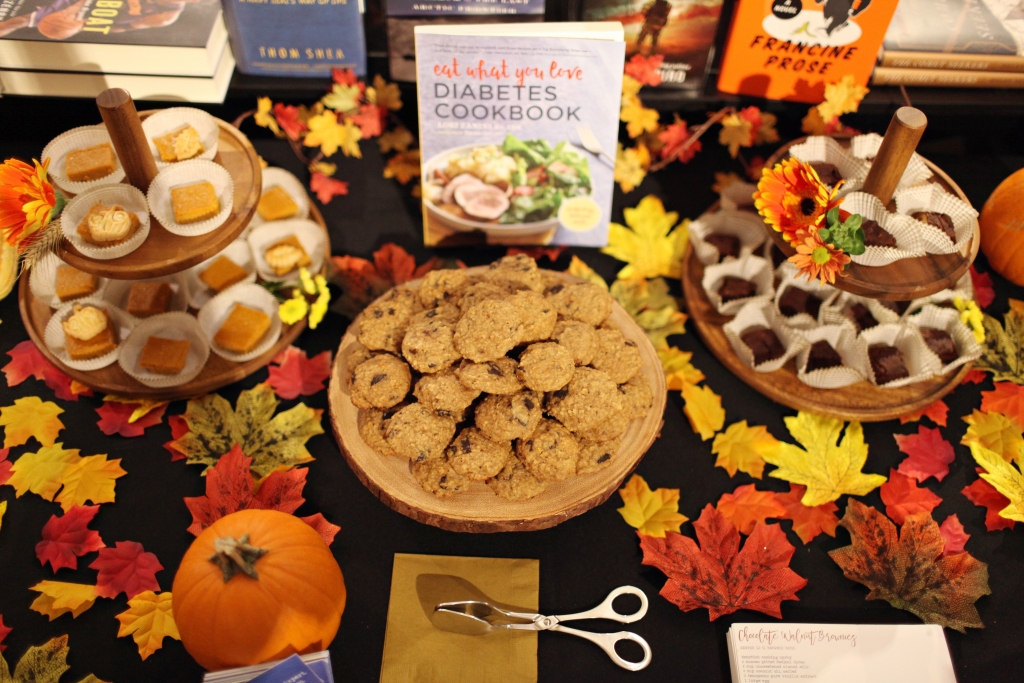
(385, 95)
(142, 406)
(3, 511)
(746, 507)
(984, 293)
(954, 535)
(763, 125)
(678, 369)
(115, 418)
(179, 428)
(5, 466)
(703, 408)
(28, 417)
(67, 538)
(27, 361)
(653, 308)
(148, 620)
(718, 574)
(973, 376)
(581, 270)
(808, 522)
(740, 448)
(995, 432)
(983, 494)
(287, 116)
(89, 479)
(841, 97)
(639, 119)
(44, 663)
(264, 117)
(631, 166)
(344, 76)
(42, 472)
(536, 253)
(1002, 354)
(651, 513)
(1005, 398)
(296, 375)
(736, 132)
(650, 246)
(630, 89)
(404, 166)
(396, 265)
(928, 454)
(1004, 477)
(938, 412)
(645, 70)
(58, 597)
(362, 281)
(4, 632)
(326, 188)
(368, 120)
(328, 134)
(828, 468)
(906, 568)
(396, 140)
(675, 136)
(903, 497)
(126, 568)
(270, 440)
(320, 525)
(343, 98)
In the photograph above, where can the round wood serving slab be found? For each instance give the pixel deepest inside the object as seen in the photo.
(217, 372)
(906, 279)
(861, 401)
(479, 510)
(164, 253)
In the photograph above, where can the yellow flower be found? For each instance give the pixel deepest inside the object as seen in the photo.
(293, 310)
(319, 308)
(264, 117)
(841, 97)
(639, 119)
(816, 259)
(631, 166)
(306, 279)
(385, 95)
(971, 316)
(793, 200)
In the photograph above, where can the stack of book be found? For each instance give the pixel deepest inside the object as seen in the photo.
(954, 43)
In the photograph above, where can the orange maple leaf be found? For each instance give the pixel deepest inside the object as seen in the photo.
(1006, 398)
(746, 506)
(938, 412)
(808, 522)
(645, 69)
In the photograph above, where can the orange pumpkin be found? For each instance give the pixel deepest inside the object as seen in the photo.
(1002, 228)
(257, 586)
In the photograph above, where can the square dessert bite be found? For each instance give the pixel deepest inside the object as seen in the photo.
(222, 273)
(243, 329)
(822, 356)
(106, 226)
(276, 204)
(180, 144)
(149, 298)
(941, 344)
(72, 283)
(887, 363)
(195, 202)
(90, 163)
(763, 343)
(164, 356)
(286, 255)
(88, 333)
(732, 288)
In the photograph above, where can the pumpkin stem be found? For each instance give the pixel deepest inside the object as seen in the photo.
(236, 555)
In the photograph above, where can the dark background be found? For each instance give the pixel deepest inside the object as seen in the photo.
(582, 559)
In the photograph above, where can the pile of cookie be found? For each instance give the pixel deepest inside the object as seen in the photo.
(512, 376)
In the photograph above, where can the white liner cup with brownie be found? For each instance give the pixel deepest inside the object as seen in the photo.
(106, 233)
(866, 147)
(932, 199)
(42, 281)
(176, 119)
(843, 340)
(174, 326)
(746, 227)
(787, 302)
(821, 149)
(754, 269)
(919, 362)
(215, 312)
(55, 334)
(838, 312)
(948, 320)
(752, 318)
(82, 137)
(119, 291)
(738, 195)
(909, 243)
(238, 252)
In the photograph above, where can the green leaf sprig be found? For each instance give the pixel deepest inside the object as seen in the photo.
(847, 235)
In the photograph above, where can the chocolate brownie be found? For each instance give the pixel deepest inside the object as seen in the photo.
(732, 288)
(764, 344)
(939, 220)
(727, 245)
(897, 307)
(940, 343)
(827, 172)
(861, 316)
(887, 363)
(795, 300)
(875, 235)
(822, 356)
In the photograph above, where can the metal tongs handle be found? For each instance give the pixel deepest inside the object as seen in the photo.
(606, 611)
(607, 641)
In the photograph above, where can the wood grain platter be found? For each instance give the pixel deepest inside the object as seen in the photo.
(480, 510)
(906, 279)
(217, 372)
(164, 253)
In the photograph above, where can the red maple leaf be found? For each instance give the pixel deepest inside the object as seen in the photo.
(179, 428)
(114, 419)
(645, 69)
(5, 466)
(1006, 398)
(551, 253)
(956, 537)
(928, 454)
(281, 491)
(808, 522)
(984, 293)
(287, 116)
(983, 494)
(4, 631)
(295, 375)
(327, 188)
(753, 115)
(27, 361)
(973, 376)
(320, 525)
(719, 575)
(394, 263)
(67, 538)
(903, 497)
(369, 120)
(938, 412)
(674, 136)
(126, 568)
(344, 76)
(755, 168)
(746, 507)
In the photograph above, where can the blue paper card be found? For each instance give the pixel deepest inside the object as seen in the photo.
(291, 670)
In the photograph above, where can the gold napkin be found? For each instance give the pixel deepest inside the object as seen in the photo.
(416, 652)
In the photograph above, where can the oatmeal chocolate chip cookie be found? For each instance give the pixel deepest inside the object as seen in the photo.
(516, 482)
(384, 322)
(448, 313)
(380, 382)
(551, 453)
(636, 396)
(357, 355)
(418, 433)
(616, 355)
(443, 393)
(442, 286)
(516, 272)
(596, 455)
(488, 330)
(437, 476)
(546, 366)
(504, 418)
(429, 346)
(538, 314)
(493, 377)
(481, 291)
(606, 430)
(371, 428)
(590, 398)
(550, 278)
(579, 337)
(585, 302)
(477, 457)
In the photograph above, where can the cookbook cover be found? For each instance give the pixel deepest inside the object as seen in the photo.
(503, 120)
(954, 26)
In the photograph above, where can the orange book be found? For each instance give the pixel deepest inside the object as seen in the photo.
(790, 49)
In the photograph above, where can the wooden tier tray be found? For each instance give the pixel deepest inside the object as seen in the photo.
(217, 372)
(861, 401)
(164, 253)
(479, 510)
(906, 279)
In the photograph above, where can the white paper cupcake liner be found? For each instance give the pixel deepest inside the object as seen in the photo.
(866, 147)
(55, 340)
(212, 316)
(761, 314)
(921, 363)
(289, 183)
(834, 313)
(968, 348)
(746, 226)
(821, 148)
(843, 339)
(765, 252)
(130, 198)
(172, 119)
(174, 325)
(790, 278)
(187, 173)
(753, 268)
(908, 238)
(737, 196)
(932, 197)
(79, 138)
(118, 291)
(309, 234)
(238, 251)
(42, 281)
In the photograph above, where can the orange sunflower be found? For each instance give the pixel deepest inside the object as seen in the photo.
(793, 200)
(27, 200)
(816, 258)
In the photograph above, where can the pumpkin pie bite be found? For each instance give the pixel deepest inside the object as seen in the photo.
(195, 202)
(222, 273)
(90, 163)
(243, 329)
(286, 255)
(164, 356)
(107, 226)
(276, 204)
(88, 333)
(72, 283)
(149, 298)
(180, 144)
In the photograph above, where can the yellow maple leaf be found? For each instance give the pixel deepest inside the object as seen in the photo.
(766, 133)
(145, 405)
(90, 478)
(996, 432)
(742, 448)
(630, 91)
(148, 620)
(325, 167)
(580, 269)
(342, 97)
(678, 369)
(385, 95)
(404, 166)
(652, 513)
(649, 245)
(44, 663)
(704, 409)
(264, 117)
(397, 140)
(652, 306)
(812, 124)
(841, 97)
(30, 416)
(351, 135)
(736, 132)
(59, 597)
(631, 166)
(828, 468)
(3, 511)
(42, 472)
(1004, 477)
(639, 119)
(326, 133)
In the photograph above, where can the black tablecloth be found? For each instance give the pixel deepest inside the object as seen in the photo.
(582, 559)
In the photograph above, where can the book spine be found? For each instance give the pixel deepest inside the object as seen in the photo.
(951, 61)
(885, 75)
(235, 36)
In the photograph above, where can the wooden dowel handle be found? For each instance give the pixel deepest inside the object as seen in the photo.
(125, 129)
(905, 131)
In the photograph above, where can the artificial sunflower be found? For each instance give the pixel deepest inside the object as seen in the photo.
(28, 201)
(793, 200)
(815, 258)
